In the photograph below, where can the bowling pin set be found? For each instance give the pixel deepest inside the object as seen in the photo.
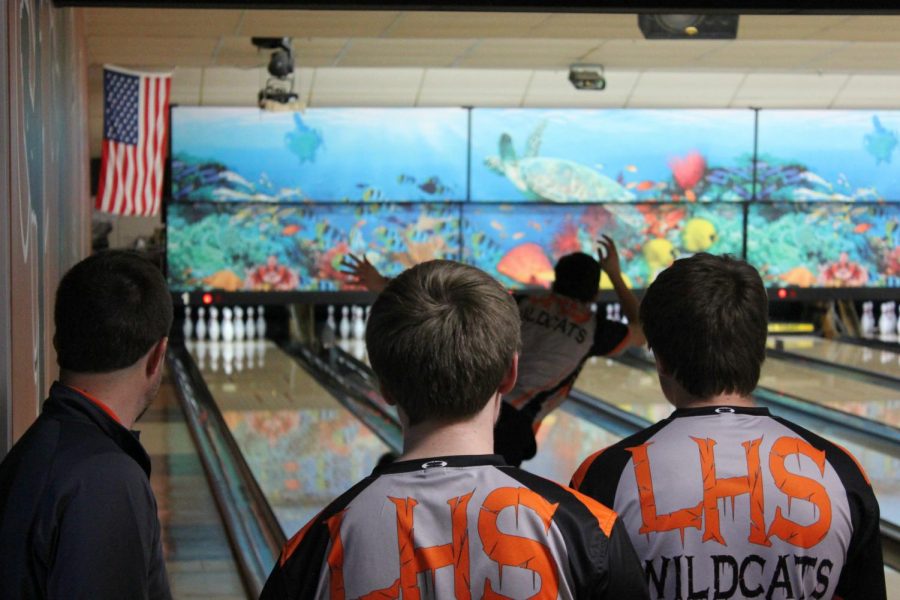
(352, 324)
(886, 326)
(236, 324)
(237, 339)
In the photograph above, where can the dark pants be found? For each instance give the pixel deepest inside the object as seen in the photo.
(514, 435)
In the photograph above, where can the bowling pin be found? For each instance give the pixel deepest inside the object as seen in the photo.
(359, 324)
(215, 351)
(328, 331)
(239, 329)
(867, 321)
(345, 323)
(227, 325)
(201, 355)
(215, 330)
(187, 328)
(261, 322)
(368, 312)
(884, 321)
(251, 353)
(251, 324)
(200, 330)
(239, 348)
(227, 351)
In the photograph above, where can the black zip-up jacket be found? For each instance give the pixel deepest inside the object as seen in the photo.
(77, 515)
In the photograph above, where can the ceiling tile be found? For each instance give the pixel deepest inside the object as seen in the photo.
(405, 52)
(530, 54)
(651, 54)
(866, 28)
(186, 86)
(465, 25)
(155, 52)
(686, 89)
(316, 23)
(473, 87)
(589, 26)
(787, 27)
(771, 55)
(767, 90)
(861, 56)
(229, 87)
(869, 91)
(147, 22)
(365, 87)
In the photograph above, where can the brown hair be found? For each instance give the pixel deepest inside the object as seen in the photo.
(706, 318)
(440, 338)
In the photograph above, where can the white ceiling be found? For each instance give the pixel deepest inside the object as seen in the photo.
(365, 58)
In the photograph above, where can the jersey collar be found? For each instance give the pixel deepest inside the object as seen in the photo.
(720, 409)
(418, 464)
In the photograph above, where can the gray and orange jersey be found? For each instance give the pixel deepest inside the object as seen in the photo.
(558, 335)
(459, 527)
(728, 502)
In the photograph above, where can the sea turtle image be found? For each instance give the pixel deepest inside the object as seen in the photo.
(554, 179)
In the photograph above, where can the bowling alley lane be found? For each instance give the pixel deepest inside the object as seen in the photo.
(302, 445)
(879, 361)
(637, 391)
(837, 389)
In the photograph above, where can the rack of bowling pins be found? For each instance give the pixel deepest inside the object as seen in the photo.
(233, 337)
(345, 327)
(886, 326)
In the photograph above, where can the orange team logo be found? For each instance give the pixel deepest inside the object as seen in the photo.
(705, 515)
(504, 549)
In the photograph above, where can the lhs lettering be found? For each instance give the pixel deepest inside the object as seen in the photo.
(705, 515)
(504, 549)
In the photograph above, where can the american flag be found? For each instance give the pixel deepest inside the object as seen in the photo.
(135, 128)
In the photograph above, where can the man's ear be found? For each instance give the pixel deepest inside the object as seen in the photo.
(156, 357)
(509, 380)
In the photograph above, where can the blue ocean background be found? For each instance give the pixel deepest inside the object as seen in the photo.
(627, 145)
(853, 158)
(365, 154)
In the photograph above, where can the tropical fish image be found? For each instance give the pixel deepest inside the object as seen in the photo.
(659, 254)
(304, 141)
(528, 264)
(433, 186)
(553, 179)
(799, 276)
(843, 273)
(881, 142)
(698, 235)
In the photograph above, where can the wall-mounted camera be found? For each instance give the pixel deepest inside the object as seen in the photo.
(587, 77)
(278, 94)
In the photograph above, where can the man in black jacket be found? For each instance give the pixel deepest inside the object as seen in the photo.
(77, 515)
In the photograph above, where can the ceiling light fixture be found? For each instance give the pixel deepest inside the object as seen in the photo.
(587, 77)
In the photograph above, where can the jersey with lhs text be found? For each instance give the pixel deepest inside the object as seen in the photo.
(728, 502)
(558, 335)
(458, 527)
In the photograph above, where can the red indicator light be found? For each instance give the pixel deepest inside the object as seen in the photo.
(782, 293)
(207, 298)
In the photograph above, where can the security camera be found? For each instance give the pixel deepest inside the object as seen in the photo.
(587, 77)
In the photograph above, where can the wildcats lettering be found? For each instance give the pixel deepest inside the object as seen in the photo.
(554, 323)
(733, 577)
(505, 549)
(705, 515)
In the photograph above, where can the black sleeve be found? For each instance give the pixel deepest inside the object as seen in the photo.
(108, 536)
(608, 337)
(624, 579)
(863, 574)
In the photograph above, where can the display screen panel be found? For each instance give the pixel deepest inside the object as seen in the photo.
(828, 155)
(287, 248)
(520, 246)
(618, 155)
(825, 245)
(347, 154)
